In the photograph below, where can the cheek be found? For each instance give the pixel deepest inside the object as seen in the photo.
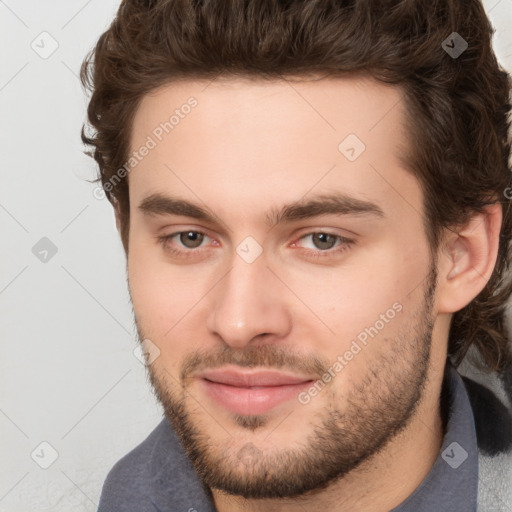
(170, 304)
(349, 298)
(159, 308)
(160, 293)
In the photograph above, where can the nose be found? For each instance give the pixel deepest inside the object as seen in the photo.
(249, 304)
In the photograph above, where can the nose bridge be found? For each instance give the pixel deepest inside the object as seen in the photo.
(248, 303)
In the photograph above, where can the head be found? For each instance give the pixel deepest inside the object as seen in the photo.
(299, 187)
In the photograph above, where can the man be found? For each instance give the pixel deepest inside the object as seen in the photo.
(312, 197)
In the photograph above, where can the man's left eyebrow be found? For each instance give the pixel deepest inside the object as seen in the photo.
(328, 204)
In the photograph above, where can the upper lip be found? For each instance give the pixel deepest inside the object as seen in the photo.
(249, 378)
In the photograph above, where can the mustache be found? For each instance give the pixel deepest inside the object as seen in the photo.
(266, 356)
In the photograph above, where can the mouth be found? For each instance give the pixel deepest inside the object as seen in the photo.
(251, 392)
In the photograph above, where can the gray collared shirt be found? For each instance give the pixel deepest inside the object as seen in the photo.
(452, 483)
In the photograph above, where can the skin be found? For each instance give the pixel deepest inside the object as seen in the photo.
(248, 148)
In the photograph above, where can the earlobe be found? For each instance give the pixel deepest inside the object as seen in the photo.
(468, 258)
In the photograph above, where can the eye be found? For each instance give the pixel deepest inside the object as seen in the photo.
(322, 241)
(189, 239)
(190, 242)
(323, 244)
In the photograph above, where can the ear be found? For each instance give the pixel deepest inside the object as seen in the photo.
(467, 259)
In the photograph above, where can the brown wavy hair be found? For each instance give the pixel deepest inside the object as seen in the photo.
(457, 108)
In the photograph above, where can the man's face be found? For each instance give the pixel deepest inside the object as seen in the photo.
(293, 342)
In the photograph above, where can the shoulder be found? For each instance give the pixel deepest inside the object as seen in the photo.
(493, 419)
(156, 476)
(492, 412)
(127, 481)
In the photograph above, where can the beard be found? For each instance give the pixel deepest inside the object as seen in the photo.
(337, 439)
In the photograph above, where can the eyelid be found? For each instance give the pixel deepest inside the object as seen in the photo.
(343, 244)
(325, 231)
(167, 237)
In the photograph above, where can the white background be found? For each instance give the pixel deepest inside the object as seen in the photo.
(68, 375)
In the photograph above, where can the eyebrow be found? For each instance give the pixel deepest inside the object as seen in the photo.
(327, 204)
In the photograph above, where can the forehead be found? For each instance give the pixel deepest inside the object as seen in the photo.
(239, 107)
(273, 140)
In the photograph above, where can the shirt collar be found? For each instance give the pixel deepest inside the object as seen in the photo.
(452, 483)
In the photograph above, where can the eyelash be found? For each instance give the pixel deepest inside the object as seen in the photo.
(344, 244)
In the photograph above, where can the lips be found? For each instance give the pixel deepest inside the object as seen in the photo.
(254, 378)
(251, 392)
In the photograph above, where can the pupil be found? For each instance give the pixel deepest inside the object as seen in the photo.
(191, 239)
(323, 240)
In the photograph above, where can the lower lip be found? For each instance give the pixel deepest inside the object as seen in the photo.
(252, 401)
